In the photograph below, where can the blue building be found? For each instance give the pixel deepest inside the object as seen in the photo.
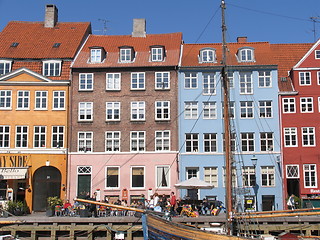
(255, 136)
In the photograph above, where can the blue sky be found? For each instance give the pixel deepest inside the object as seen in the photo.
(275, 21)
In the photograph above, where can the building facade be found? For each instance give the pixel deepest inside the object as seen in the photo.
(123, 115)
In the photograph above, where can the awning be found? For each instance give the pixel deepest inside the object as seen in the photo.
(13, 173)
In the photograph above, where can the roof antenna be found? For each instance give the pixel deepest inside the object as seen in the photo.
(105, 21)
(314, 20)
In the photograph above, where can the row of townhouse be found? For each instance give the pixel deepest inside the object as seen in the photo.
(135, 114)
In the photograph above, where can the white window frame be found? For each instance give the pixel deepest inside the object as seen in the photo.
(113, 111)
(310, 171)
(106, 174)
(304, 78)
(4, 136)
(85, 112)
(192, 172)
(59, 100)
(211, 175)
(39, 132)
(112, 141)
(138, 111)
(162, 141)
(209, 84)
(249, 178)
(96, 55)
(41, 100)
(246, 109)
(85, 141)
(51, 68)
(113, 81)
(308, 136)
(290, 137)
(207, 55)
(23, 136)
(317, 54)
(5, 99)
(210, 142)
(137, 141)
(318, 77)
(157, 54)
(246, 83)
(131, 176)
(247, 141)
(125, 55)
(306, 105)
(138, 81)
(266, 141)
(269, 172)
(292, 171)
(190, 110)
(209, 110)
(190, 80)
(230, 76)
(246, 55)
(265, 79)
(57, 137)
(160, 170)
(162, 110)
(86, 81)
(288, 105)
(6, 67)
(24, 104)
(192, 142)
(162, 80)
(265, 109)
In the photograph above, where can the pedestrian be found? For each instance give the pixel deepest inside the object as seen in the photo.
(173, 202)
(290, 202)
(93, 207)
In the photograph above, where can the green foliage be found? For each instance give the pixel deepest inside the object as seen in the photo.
(54, 201)
(17, 206)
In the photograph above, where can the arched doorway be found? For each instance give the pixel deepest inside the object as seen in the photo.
(46, 183)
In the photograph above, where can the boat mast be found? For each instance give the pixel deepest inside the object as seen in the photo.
(227, 135)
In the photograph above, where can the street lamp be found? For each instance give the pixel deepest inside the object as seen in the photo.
(255, 187)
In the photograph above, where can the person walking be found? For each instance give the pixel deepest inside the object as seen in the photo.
(173, 202)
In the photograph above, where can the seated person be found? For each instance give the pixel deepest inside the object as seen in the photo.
(67, 206)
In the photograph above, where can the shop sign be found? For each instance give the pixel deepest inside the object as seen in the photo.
(13, 161)
(13, 173)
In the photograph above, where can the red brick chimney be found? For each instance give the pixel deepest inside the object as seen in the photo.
(242, 39)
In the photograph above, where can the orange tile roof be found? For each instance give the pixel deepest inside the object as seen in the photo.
(171, 42)
(36, 41)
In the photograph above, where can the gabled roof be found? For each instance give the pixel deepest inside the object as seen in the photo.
(141, 45)
(308, 59)
(37, 42)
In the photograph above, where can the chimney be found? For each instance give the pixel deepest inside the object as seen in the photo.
(139, 27)
(241, 39)
(51, 17)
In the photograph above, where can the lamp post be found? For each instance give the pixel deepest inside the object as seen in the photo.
(255, 187)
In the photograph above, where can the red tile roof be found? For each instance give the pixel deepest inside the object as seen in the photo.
(36, 41)
(171, 42)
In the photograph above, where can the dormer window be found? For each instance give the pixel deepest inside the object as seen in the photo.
(157, 53)
(126, 54)
(207, 55)
(5, 67)
(51, 68)
(246, 54)
(97, 54)
(317, 54)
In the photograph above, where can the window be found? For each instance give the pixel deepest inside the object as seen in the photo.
(264, 79)
(305, 78)
(266, 141)
(232, 109)
(138, 110)
(59, 100)
(231, 79)
(126, 54)
(267, 176)
(163, 176)
(157, 54)
(57, 137)
(23, 98)
(5, 99)
(192, 172)
(112, 177)
(5, 67)
(190, 110)
(317, 54)
(85, 81)
(210, 142)
(190, 81)
(249, 176)
(113, 141)
(310, 175)
(207, 55)
(137, 177)
(162, 140)
(4, 136)
(113, 81)
(265, 109)
(209, 110)
(95, 55)
(318, 77)
(246, 86)
(246, 109)
(21, 136)
(290, 137)
(162, 110)
(112, 111)
(289, 105)
(51, 68)
(84, 181)
(39, 136)
(293, 171)
(246, 55)
(232, 142)
(162, 80)
(308, 136)
(85, 111)
(306, 105)
(192, 142)
(137, 81)
(247, 142)
(41, 100)
(209, 84)
(137, 141)
(211, 175)
(234, 177)
(85, 141)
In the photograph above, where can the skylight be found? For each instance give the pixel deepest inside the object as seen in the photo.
(56, 45)
(14, 44)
